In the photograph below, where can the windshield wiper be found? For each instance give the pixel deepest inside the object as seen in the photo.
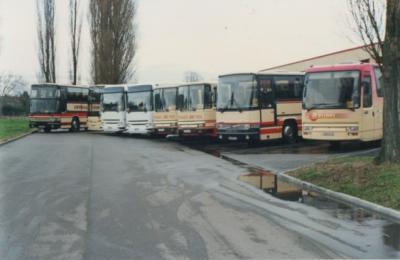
(323, 105)
(234, 102)
(222, 110)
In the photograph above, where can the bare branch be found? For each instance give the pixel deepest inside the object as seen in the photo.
(368, 18)
(45, 11)
(114, 40)
(75, 20)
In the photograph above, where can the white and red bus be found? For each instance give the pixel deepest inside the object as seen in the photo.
(343, 103)
(259, 106)
(58, 106)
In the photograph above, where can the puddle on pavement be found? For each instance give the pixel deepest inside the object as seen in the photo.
(268, 182)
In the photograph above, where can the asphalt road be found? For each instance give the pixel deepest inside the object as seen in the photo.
(91, 196)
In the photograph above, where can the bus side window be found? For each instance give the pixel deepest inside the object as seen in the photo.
(266, 93)
(367, 96)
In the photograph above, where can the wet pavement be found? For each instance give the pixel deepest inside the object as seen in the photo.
(86, 196)
(259, 162)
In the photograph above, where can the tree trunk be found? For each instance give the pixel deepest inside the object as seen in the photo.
(391, 63)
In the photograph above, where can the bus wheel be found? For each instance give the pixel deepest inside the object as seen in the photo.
(75, 126)
(47, 129)
(290, 133)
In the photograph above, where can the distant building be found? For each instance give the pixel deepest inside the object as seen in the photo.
(352, 55)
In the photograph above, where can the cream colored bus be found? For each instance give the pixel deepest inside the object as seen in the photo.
(259, 106)
(343, 103)
(196, 109)
(94, 120)
(165, 120)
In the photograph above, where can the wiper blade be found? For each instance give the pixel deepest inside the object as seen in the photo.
(233, 101)
(323, 105)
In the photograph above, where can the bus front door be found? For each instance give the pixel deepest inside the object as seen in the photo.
(368, 113)
(268, 120)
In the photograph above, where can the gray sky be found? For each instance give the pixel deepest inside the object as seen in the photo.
(211, 37)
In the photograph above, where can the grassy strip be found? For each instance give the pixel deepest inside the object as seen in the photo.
(358, 177)
(12, 127)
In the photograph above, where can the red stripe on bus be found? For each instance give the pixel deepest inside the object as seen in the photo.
(271, 131)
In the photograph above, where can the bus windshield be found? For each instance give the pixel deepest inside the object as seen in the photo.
(45, 92)
(165, 99)
(191, 98)
(339, 89)
(44, 106)
(237, 92)
(140, 101)
(113, 102)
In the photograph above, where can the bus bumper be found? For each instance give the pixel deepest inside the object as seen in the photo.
(239, 136)
(44, 124)
(331, 133)
(138, 129)
(196, 131)
(113, 128)
(165, 131)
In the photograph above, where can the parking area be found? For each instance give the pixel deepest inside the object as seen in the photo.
(96, 196)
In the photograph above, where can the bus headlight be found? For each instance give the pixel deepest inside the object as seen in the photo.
(307, 128)
(352, 129)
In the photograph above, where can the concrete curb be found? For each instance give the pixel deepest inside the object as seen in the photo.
(389, 213)
(7, 141)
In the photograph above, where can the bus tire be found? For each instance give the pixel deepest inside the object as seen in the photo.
(290, 133)
(47, 129)
(75, 125)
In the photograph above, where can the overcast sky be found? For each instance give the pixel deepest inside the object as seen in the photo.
(211, 37)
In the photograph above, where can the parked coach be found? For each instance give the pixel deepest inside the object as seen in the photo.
(259, 106)
(58, 106)
(343, 103)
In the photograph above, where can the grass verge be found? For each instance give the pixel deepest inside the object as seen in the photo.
(12, 127)
(358, 177)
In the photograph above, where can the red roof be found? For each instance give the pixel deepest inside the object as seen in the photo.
(341, 67)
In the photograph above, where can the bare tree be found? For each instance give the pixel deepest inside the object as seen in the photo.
(390, 151)
(75, 26)
(368, 17)
(383, 44)
(113, 37)
(11, 84)
(46, 39)
(192, 76)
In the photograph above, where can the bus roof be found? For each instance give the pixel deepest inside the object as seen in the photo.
(197, 83)
(341, 67)
(268, 73)
(60, 85)
(160, 86)
(140, 88)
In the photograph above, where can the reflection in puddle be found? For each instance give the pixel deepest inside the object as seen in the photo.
(388, 237)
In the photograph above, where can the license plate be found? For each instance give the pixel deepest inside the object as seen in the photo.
(136, 129)
(328, 134)
(232, 138)
(187, 131)
(161, 129)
